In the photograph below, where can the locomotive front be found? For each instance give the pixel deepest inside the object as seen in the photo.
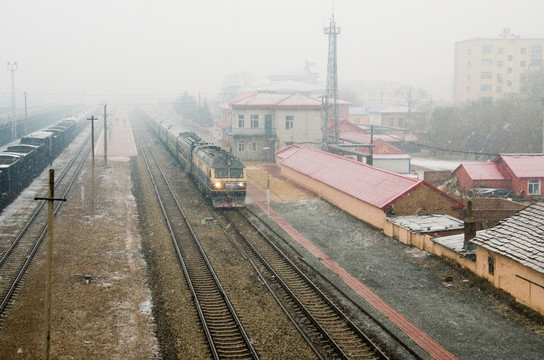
(225, 176)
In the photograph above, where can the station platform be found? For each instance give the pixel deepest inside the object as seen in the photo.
(120, 141)
(264, 177)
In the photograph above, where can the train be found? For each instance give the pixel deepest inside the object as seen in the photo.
(22, 162)
(220, 175)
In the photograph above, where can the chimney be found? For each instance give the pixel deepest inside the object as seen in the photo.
(470, 226)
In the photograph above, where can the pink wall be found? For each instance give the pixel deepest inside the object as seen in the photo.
(361, 210)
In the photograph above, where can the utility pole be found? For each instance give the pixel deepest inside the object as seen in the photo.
(13, 68)
(105, 137)
(92, 120)
(26, 118)
(331, 99)
(49, 259)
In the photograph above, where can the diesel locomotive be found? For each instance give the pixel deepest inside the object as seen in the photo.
(218, 174)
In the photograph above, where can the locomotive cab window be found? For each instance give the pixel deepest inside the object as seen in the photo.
(221, 173)
(236, 173)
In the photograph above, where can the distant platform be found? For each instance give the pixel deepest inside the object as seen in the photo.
(120, 141)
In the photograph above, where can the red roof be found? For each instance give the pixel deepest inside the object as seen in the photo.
(286, 151)
(524, 165)
(482, 171)
(369, 184)
(267, 100)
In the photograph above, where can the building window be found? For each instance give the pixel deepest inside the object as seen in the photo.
(469, 64)
(509, 70)
(499, 89)
(487, 49)
(468, 89)
(469, 51)
(391, 121)
(533, 187)
(485, 88)
(289, 122)
(486, 75)
(254, 121)
(499, 63)
(491, 264)
(510, 57)
(500, 78)
(401, 121)
(509, 83)
(487, 62)
(254, 146)
(536, 55)
(240, 121)
(522, 78)
(241, 147)
(523, 51)
(499, 51)
(523, 63)
(357, 121)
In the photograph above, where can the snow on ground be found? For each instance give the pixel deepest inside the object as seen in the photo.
(435, 164)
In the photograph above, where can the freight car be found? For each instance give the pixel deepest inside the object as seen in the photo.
(21, 163)
(220, 175)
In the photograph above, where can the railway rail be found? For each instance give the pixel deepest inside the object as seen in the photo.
(18, 255)
(329, 332)
(329, 329)
(226, 336)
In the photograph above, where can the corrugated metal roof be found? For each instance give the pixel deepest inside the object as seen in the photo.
(369, 184)
(287, 151)
(483, 171)
(525, 165)
(519, 237)
(427, 223)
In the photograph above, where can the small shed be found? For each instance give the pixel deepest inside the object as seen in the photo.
(367, 192)
(471, 175)
(522, 173)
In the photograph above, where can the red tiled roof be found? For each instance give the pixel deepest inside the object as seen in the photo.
(369, 184)
(482, 171)
(524, 165)
(275, 100)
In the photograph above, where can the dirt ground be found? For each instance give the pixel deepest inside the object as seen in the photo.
(109, 318)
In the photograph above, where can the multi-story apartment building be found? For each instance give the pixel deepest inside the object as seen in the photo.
(494, 68)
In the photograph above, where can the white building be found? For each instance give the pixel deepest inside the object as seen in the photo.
(260, 123)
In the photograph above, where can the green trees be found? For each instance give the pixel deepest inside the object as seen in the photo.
(187, 107)
(512, 125)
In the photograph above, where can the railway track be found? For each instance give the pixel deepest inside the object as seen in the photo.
(326, 330)
(16, 257)
(330, 330)
(223, 329)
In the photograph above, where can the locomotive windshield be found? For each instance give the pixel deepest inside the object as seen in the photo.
(221, 173)
(236, 173)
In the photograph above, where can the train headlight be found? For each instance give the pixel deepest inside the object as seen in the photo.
(218, 185)
(242, 185)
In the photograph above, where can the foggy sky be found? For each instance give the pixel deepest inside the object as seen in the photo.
(97, 48)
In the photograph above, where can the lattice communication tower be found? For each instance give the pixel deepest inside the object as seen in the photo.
(331, 97)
